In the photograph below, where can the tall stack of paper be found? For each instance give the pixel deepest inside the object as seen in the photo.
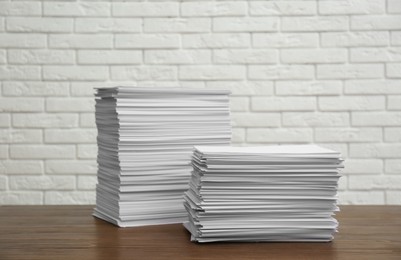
(272, 193)
(145, 141)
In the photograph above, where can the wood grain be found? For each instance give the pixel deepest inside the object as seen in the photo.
(70, 232)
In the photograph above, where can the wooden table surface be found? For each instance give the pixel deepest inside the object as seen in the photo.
(70, 232)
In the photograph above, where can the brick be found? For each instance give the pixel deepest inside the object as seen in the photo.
(245, 24)
(36, 24)
(45, 120)
(178, 56)
(269, 8)
(376, 22)
(20, 72)
(393, 197)
(21, 104)
(3, 183)
(279, 135)
(35, 88)
(361, 198)
(372, 87)
(350, 71)
(216, 40)
(375, 54)
(176, 25)
(109, 57)
(70, 197)
(85, 88)
(308, 88)
(354, 39)
(352, 7)
(313, 56)
(236, 56)
(281, 72)
(381, 150)
(21, 167)
(74, 136)
(42, 151)
(315, 119)
(82, 41)
(112, 25)
(21, 198)
(363, 166)
(75, 72)
(314, 24)
(5, 120)
(208, 8)
(20, 136)
(147, 41)
(41, 56)
(376, 118)
(392, 134)
(157, 9)
(173, 84)
(240, 88)
(87, 151)
(352, 103)
(20, 9)
(351, 135)
(393, 166)
(143, 73)
(3, 57)
(238, 135)
(87, 120)
(239, 104)
(87, 182)
(76, 9)
(71, 167)
(70, 104)
(393, 6)
(394, 103)
(343, 183)
(283, 103)
(285, 40)
(4, 151)
(374, 182)
(393, 70)
(255, 119)
(396, 38)
(42, 182)
(215, 72)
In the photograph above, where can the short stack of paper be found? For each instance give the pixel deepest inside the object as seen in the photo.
(271, 193)
(145, 140)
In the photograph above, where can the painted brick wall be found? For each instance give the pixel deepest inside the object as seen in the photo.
(325, 72)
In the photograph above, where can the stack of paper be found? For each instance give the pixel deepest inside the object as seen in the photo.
(273, 193)
(145, 141)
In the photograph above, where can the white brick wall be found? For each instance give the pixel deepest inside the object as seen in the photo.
(325, 72)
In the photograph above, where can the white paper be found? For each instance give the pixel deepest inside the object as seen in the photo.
(264, 193)
(145, 141)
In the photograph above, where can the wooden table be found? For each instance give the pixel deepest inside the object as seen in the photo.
(70, 232)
